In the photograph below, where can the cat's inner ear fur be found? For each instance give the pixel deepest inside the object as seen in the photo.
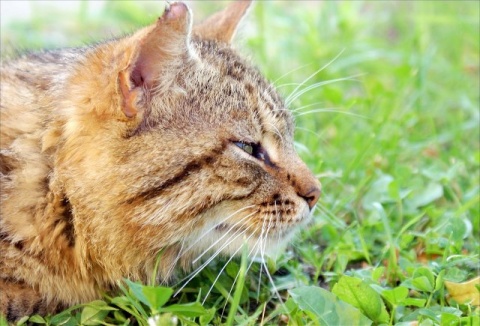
(159, 50)
(222, 25)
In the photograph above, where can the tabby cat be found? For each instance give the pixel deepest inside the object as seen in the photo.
(162, 141)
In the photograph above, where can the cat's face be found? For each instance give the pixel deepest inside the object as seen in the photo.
(237, 175)
(207, 161)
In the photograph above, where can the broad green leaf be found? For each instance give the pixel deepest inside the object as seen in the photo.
(153, 297)
(415, 302)
(94, 313)
(125, 304)
(360, 295)
(449, 320)
(73, 321)
(422, 280)
(396, 296)
(61, 318)
(326, 307)
(422, 283)
(156, 296)
(455, 274)
(37, 319)
(137, 290)
(21, 321)
(430, 314)
(206, 318)
(193, 309)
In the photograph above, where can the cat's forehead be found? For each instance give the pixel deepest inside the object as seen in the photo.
(240, 80)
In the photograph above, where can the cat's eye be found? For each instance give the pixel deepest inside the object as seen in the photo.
(246, 147)
(253, 149)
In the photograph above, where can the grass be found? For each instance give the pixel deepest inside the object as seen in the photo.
(393, 133)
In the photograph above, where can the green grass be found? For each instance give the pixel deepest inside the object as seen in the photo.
(394, 137)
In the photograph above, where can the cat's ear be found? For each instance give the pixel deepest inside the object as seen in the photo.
(222, 25)
(157, 51)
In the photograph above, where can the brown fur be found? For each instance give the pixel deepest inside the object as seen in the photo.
(113, 153)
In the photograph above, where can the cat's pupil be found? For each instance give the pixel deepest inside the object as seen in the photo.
(248, 148)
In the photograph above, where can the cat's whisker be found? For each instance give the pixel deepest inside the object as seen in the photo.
(256, 247)
(305, 106)
(172, 266)
(200, 237)
(225, 265)
(262, 253)
(279, 218)
(273, 85)
(209, 260)
(183, 251)
(301, 92)
(223, 236)
(333, 111)
(259, 280)
(288, 73)
(249, 265)
(286, 84)
(287, 100)
(270, 221)
(276, 130)
(260, 238)
(310, 131)
(236, 277)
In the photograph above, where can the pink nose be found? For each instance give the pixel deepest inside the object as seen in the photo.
(311, 196)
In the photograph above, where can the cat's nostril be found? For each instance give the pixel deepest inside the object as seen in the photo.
(311, 197)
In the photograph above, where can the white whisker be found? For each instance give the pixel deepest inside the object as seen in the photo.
(289, 72)
(305, 106)
(287, 100)
(223, 268)
(292, 98)
(308, 130)
(276, 131)
(233, 237)
(200, 237)
(262, 253)
(334, 111)
(223, 236)
(236, 277)
(286, 84)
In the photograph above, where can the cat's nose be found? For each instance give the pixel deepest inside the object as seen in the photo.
(311, 196)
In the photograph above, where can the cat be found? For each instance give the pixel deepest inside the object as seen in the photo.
(162, 141)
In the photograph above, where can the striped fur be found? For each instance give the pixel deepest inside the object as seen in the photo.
(115, 152)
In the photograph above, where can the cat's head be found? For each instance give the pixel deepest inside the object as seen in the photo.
(200, 152)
